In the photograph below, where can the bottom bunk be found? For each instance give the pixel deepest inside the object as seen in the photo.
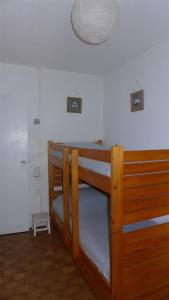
(94, 240)
(93, 225)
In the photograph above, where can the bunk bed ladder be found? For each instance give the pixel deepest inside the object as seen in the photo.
(50, 176)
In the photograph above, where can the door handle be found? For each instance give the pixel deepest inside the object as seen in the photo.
(23, 162)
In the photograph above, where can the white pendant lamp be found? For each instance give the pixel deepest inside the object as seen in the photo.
(94, 20)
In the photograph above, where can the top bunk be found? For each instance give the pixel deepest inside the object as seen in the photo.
(57, 151)
(138, 181)
(99, 162)
(140, 178)
(59, 161)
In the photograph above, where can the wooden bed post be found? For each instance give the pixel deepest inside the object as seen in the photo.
(75, 203)
(50, 176)
(66, 194)
(116, 211)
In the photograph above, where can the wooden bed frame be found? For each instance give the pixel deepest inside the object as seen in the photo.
(138, 190)
(59, 176)
(59, 172)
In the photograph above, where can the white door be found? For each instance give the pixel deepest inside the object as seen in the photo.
(14, 208)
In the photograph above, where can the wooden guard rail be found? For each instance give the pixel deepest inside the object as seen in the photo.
(145, 253)
(139, 190)
(146, 185)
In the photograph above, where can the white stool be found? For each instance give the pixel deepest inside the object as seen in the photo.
(41, 222)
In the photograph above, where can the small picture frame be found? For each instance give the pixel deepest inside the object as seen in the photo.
(74, 104)
(137, 101)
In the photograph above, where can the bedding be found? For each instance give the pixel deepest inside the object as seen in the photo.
(87, 145)
(93, 234)
(94, 165)
(93, 225)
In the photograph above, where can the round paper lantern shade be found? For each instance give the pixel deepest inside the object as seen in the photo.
(94, 20)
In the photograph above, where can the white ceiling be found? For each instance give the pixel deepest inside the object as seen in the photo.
(39, 33)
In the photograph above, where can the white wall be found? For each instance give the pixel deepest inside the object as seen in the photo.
(48, 90)
(47, 93)
(144, 129)
(57, 124)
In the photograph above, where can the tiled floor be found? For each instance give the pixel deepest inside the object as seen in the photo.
(39, 268)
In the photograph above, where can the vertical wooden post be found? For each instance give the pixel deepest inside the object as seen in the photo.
(116, 220)
(75, 203)
(50, 176)
(66, 195)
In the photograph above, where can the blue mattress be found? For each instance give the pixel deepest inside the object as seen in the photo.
(93, 233)
(93, 225)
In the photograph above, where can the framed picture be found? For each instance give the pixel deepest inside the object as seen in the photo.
(137, 100)
(74, 105)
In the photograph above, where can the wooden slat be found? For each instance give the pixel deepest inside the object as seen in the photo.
(56, 161)
(57, 147)
(57, 176)
(95, 279)
(145, 234)
(152, 274)
(146, 192)
(50, 178)
(57, 220)
(58, 225)
(141, 251)
(149, 167)
(146, 214)
(98, 180)
(162, 294)
(157, 241)
(143, 203)
(146, 254)
(58, 181)
(157, 270)
(57, 171)
(146, 155)
(101, 155)
(145, 179)
(144, 287)
(143, 256)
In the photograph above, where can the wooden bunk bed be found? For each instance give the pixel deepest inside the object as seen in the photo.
(138, 189)
(59, 173)
(59, 182)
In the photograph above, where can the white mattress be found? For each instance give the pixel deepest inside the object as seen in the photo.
(94, 165)
(93, 226)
